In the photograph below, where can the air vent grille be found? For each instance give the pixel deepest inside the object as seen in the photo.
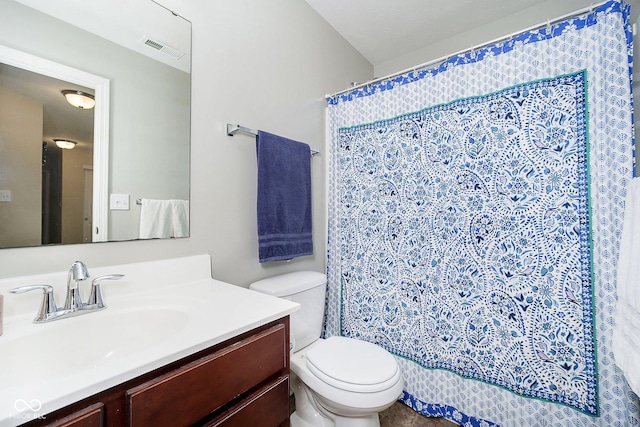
(162, 47)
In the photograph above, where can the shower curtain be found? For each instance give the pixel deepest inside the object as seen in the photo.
(475, 210)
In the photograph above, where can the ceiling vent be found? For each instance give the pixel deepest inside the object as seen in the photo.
(162, 47)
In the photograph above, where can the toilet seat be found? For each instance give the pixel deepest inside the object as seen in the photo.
(336, 399)
(353, 365)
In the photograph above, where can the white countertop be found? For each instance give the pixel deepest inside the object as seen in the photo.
(153, 318)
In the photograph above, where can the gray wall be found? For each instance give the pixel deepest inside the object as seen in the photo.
(20, 168)
(265, 65)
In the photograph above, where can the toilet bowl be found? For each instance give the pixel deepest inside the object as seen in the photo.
(338, 381)
(350, 381)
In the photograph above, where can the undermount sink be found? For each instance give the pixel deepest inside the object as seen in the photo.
(86, 342)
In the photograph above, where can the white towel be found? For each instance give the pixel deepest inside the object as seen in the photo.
(180, 218)
(161, 219)
(626, 332)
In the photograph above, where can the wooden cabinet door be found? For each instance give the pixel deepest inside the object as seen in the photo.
(190, 393)
(92, 416)
(268, 407)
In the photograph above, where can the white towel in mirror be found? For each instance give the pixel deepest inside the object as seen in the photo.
(180, 218)
(161, 219)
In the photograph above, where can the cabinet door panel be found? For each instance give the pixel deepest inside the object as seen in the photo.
(92, 416)
(188, 394)
(268, 407)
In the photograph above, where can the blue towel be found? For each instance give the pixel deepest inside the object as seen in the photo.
(284, 198)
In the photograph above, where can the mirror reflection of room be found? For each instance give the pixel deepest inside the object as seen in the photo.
(35, 113)
(134, 146)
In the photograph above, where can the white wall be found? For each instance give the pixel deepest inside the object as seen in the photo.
(73, 166)
(263, 64)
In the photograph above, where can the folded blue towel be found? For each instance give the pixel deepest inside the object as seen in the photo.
(284, 198)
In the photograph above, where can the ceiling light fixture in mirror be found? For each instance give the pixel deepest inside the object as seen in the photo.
(79, 99)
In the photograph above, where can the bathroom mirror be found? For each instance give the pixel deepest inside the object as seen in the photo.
(133, 57)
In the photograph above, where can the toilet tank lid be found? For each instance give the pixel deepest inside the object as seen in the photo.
(289, 283)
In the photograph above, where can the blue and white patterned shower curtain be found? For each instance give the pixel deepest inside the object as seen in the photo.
(475, 211)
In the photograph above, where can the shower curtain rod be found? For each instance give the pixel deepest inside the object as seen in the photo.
(441, 59)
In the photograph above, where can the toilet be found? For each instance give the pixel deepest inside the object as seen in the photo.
(338, 381)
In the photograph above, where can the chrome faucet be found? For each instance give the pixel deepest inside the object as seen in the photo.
(48, 307)
(77, 273)
(73, 304)
(95, 298)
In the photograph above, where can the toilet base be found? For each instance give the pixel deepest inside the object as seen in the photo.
(296, 421)
(309, 413)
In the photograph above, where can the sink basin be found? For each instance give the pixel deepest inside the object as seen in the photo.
(64, 347)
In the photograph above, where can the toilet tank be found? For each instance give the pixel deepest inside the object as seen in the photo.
(307, 288)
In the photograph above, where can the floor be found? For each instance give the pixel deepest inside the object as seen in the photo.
(400, 415)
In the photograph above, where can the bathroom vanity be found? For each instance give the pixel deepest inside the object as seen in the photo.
(174, 347)
(230, 384)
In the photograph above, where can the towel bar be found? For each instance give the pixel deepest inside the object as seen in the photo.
(233, 129)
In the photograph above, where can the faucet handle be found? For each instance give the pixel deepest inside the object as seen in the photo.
(95, 298)
(48, 304)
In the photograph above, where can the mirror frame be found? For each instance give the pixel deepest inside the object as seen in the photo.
(25, 61)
